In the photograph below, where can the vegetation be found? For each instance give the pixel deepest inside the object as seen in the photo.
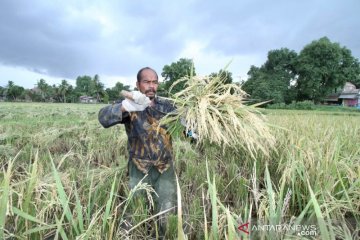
(304, 105)
(217, 113)
(320, 68)
(309, 105)
(114, 93)
(12, 91)
(64, 177)
(176, 70)
(323, 66)
(63, 92)
(275, 79)
(223, 74)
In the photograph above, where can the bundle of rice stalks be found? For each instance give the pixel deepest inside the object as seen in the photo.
(217, 113)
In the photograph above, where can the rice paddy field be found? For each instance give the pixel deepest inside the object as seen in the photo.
(63, 176)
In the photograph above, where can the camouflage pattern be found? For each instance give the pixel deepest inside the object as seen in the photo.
(164, 185)
(148, 145)
(150, 152)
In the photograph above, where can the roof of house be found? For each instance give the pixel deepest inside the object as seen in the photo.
(351, 91)
(332, 97)
(348, 87)
(86, 97)
(348, 92)
(349, 96)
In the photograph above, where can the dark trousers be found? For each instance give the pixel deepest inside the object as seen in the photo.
(164, 185)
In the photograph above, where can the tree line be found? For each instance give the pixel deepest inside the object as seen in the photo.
(93, 87)
(321, 67)
(64, 92)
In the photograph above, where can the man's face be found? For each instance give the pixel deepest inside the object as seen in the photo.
(148, 83)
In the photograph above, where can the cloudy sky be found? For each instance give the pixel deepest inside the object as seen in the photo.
(63, 39)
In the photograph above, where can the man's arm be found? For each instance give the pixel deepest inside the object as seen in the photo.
(112, 115)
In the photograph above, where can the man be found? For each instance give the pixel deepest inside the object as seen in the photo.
(150, 147)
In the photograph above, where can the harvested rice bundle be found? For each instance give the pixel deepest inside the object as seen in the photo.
(217, 113)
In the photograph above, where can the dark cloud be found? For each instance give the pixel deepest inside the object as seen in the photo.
(258, 26)
(46, 36)
(116, 38)
(40, 37)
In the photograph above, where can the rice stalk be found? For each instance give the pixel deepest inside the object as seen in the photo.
(60, 229)
(206, 233)
(5, 189)
(90, 202)
(94, 220)
(140, 186)
(214, 207)
(323, 229)
(26, 216)
(64, 199)
(39, 229)
(231, 233)
(78, 208)
(218, 113)
(29, 194)
(109, 203)
(181, 234)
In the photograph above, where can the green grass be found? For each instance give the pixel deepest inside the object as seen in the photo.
(63, 175)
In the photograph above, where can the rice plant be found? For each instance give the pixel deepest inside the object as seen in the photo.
(63, 176)
(220, 114)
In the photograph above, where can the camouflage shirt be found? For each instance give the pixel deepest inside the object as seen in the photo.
(148, 145)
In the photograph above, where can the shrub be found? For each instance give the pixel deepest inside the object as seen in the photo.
(304, 105)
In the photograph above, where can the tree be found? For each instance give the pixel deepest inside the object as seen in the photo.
(44, 89)
(97, 88)
(114, 92)
(26, 95)
(224, 74)
(119, 87)
(162, 91)
(323, 66)
(182, 68)
(13, 91)
(274, 80)
(64, 88)
(2, 91)
(257, 85)
(254, 75)
(281, 74)
(83, 85)
(55, 94)
(10, 84)
(34, 95)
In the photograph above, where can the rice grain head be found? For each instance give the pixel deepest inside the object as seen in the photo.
(219, 114)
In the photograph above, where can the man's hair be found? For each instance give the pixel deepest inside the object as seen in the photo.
(141, 70)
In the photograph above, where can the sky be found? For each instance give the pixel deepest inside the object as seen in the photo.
(64, 39)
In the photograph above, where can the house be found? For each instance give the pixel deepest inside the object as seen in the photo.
(87, 99)
(349, 96)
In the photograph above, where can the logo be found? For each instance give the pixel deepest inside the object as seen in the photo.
(281, 228)
(244, 228)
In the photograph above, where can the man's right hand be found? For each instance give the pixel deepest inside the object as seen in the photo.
(140, 98)
(130, 106)
(135, 101)
(136, 96)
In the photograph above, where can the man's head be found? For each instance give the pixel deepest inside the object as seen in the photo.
(147, 82)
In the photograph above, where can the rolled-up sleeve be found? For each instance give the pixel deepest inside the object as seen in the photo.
(112, 115)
